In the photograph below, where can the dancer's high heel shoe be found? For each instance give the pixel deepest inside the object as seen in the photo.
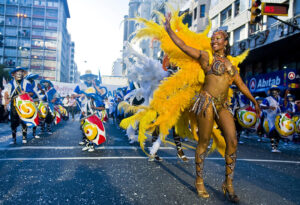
(201, 193)
(232, 197)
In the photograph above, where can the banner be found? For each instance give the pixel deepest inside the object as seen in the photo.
(288, 78)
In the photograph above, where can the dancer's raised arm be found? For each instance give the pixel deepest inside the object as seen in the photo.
(194, 53)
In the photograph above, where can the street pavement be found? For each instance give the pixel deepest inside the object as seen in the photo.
(54, 170)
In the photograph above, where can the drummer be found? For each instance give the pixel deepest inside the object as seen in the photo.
(51, 96)
(37, 95)
(93, 106)
(238, 101)
(272, 106)
(289, 105)
(18, 85)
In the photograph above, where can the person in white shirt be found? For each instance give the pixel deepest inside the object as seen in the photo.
(66, 102)
(72, 106)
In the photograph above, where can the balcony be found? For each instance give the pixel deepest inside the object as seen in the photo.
(49, 68)
(37, 37)
(50, 38)
(50, 58)
(37, 67)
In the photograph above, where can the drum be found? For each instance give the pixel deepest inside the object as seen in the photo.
(247, 118)
(296, 119)
(64, 112)
(26, 110)
(93, 129)
(284, 125)
(43, 109)
(57, 114)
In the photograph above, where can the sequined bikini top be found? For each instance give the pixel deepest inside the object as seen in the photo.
(218, 67)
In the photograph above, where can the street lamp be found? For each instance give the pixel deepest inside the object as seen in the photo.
(21, 16)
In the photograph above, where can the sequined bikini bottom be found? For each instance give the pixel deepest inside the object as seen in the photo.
(204, 99)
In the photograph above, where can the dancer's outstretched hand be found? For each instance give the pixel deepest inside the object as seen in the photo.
(167, 22)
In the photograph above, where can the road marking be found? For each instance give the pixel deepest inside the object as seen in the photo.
(136, 157)
(77, 147)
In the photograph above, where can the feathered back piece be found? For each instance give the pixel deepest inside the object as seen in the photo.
(174, 97)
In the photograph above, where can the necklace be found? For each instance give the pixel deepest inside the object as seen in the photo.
(220, 56)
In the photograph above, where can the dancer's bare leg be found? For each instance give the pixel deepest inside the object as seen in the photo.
(226, 124)
(205, 125)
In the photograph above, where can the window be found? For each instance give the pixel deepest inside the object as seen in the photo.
(236, 7)
(35, 53)
(52, 3)
(12, 1)
(202, 11)
(195, 13)
(226, 14)
(239, 34)
(51, 24)
(11, 10)
(1, 9)
(38, 12)
(24, 43)
(23, 62)
(50, 44)
(10, 52)
(10, 61)
(25, 2)
(24, 33)
(26, 11)
(11, 21)
(52, 13)
(38, 23)
(51, 34)
(36, 63)
(37, 43)
(24, 52)
(10, 41)
(10, 31)
(36, 32)
(50, 64)
(39, 2)
(215, 22)
(26, 22)
(1, 20)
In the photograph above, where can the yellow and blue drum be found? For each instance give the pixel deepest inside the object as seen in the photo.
(43, 109)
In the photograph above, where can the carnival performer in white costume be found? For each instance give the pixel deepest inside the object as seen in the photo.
(272, 106)
(147, 73)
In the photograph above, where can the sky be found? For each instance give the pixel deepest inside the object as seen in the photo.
(96, 28)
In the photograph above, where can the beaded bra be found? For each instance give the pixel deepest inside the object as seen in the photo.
(218, 67)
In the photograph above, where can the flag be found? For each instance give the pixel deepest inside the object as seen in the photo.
(100, 79)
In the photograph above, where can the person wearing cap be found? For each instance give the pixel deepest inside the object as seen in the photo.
(93, 106)
(37, 95)
(272, 106)
(51, 96)
(18, 85)
(289, 105)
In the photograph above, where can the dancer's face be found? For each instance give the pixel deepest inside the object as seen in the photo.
(218, 41)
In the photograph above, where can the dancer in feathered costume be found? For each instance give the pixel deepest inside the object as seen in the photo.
(201, 86)
(148, 73)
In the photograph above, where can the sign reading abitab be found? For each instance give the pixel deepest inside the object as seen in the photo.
(263, 83)
(282, 78)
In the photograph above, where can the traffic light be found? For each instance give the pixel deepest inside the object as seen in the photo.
(274, 9)
(255, 12)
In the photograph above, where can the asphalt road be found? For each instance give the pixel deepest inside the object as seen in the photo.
(54, 170)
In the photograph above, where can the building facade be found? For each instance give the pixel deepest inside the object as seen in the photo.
(117, 68)
(34, 35)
